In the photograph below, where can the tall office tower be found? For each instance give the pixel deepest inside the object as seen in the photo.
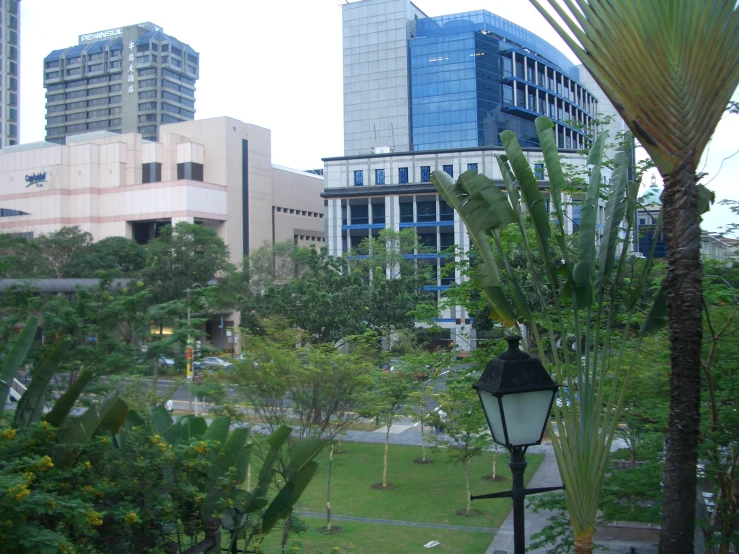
(10, 61)
(418, 83)
(122, 80)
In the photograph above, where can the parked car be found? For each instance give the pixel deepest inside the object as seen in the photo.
(216, 363)
(163, 360)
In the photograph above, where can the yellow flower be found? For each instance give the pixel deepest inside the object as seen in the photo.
(336, 548)
(44, 424)
(9, 434)
(45, 463)
(93, 518)
(201, 448)
(131, 518)
(89, 488)
(88, 465)
(22, 493)
(104, 440)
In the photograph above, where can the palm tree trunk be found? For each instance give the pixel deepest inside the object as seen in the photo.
(684, 304)
(384, 464)
(584, 545)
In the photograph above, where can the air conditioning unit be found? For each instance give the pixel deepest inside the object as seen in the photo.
(381, 150)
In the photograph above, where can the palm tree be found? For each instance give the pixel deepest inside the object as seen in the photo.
(669, 67)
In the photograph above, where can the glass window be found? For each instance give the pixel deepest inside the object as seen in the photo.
(471, 167)
(530, 70)
(403, 175)
(449, 170)
(148, 118)
(150, 130)
(507, 67)
(360, 214)
(170, 108)
(115, 64)
(507, 95)
(12, 114)
(147, 94)
(446, 212)
(539, 170)
(358, 178)
(114, 99)
(76, 105)
(426, 211)
(425, 174)
(52, 75)
(166, 118)
(406, 212)
(378, 213)
(151, 172)
(379, 176)
(115, 88)
(148, 83)
(190, 170)
(52, 65)
(146, 106)
(147, 71)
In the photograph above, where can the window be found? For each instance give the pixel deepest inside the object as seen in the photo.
(52, 65)
(52, 88)
(147, 83)
(12, 114)
(148, 130)
(55, 109)
(426, 211)
(52, 75)
(446, 212)
(12, 99)
(190, 170)
(379, 176)
(97, 80)
(148, 118)
(115, 88)
(170, 108)
(94, 68)
(114, 99)
(166, 118)
(471, 167)
(358, 178)
(147, 72)
(97, 113)
(642, 221)
(76, 94)
(507, 67)
(55, 120)
(169, 96)
(145, 106)
(406, 212)
(165, 47)
(403, 175)
(151, 172)
(77, 128)
(115, 111)
(507, 95)
(425, 174)
(97, 125)
(76, 84)
(146, 95)
(74, 72)
(79, 116)
(449, 170)
(539, 170)
(115, 64)
(76, 105)
(98, 91)
(54, 98)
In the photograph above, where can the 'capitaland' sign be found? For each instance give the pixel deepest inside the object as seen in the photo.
(91, 37)
(37, 179)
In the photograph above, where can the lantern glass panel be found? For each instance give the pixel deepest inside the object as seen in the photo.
(491, 407)
(526, 414)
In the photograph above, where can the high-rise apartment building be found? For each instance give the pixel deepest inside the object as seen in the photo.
(123, 80)
(10, 70)
(418, 83)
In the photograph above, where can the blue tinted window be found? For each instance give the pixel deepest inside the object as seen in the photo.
(379, 176)
(471, 167)
(378, 213)
(539, 170)
(403, 175)
(360, 215)
(446, 212)
(425, 174)
(449, 169)
(406, 212)
(358, 178)
(426, 211)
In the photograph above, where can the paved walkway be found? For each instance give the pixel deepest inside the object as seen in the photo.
(401, 523)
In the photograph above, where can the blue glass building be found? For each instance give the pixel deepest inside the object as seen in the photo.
(474, 75)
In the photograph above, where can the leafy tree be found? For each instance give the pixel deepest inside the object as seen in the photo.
(675, 134)
(59, 249)
(20, 258)
(386, 402)
(181, 257)
(124, 257)
(464, 426)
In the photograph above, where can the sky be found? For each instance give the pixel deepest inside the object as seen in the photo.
(278, 64)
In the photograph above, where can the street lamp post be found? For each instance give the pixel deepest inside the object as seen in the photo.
(516, 394)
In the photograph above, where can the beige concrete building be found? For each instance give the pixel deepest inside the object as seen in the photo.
(217, 172)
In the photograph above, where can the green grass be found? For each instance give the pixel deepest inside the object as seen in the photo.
(424, 493)
(362, 538)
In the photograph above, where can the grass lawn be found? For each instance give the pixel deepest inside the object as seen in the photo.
(429, 493)
(363, 538)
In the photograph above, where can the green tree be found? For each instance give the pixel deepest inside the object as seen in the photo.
(122, 256)
(20, 258)
(181, 257)
(59, 249)
(464, 426)
(638, 53)
(386, 402)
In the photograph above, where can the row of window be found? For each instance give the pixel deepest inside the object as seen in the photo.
(174, 109)
(84, 82)
(83, 93)
(80, 116)
(293, 211)
(152, 172)
(425, 212)
(81, 105)
(296, 238)
(82, 127)
(403, 174)
(152, 118)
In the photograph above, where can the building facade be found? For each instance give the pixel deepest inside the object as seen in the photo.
(416, 83)
(217, 172)
(123, 80)
(366, 194)
(10, 58)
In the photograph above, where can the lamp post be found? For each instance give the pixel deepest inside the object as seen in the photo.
(516, 394)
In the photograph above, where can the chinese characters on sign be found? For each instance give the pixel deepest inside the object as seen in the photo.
(131, 77)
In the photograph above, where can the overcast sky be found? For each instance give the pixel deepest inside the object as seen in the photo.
(273, 63)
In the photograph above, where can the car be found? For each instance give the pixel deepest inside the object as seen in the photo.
(163, 360)
(216, 363)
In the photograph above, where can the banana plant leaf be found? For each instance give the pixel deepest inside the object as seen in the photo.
(63, 406)
(31, 405)
(15, 358)
(283, 503)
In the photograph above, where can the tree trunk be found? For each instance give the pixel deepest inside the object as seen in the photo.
(467, 485)
(584, 545)
(384, 467)
(684, 304)
(286, 532)
(423, 444)
(495, 460)
(328, 489)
